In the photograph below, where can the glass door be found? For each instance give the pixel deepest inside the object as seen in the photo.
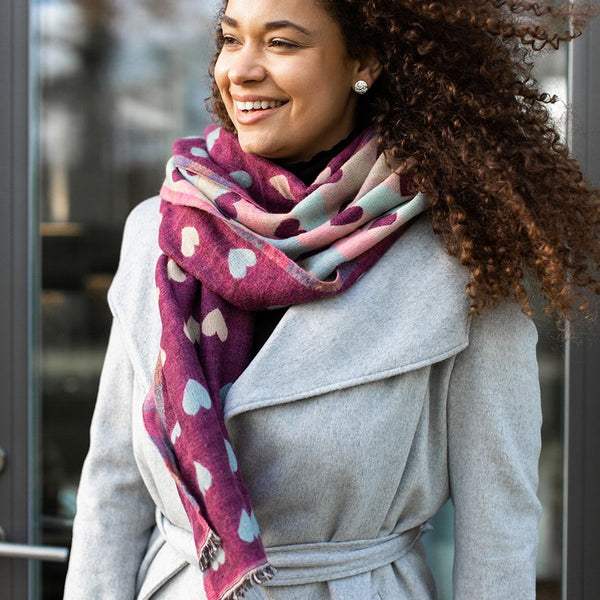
(117, 83)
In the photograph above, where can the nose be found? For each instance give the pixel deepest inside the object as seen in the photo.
(246, 66)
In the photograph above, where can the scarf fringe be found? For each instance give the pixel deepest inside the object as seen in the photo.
(253, 578)
(209, 551)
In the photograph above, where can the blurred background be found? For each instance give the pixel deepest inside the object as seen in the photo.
(116, 81)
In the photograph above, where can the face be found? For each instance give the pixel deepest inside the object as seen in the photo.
(286, 78)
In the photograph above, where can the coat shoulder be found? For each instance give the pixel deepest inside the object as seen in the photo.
(132, 295)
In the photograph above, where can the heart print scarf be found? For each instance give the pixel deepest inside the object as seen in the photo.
(240, 234)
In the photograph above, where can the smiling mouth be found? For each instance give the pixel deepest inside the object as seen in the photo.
(258, 105)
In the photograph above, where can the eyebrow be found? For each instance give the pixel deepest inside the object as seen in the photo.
(271, 25)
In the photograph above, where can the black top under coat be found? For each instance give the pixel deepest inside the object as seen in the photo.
(307, 171)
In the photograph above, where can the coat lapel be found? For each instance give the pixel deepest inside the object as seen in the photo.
(409, 311)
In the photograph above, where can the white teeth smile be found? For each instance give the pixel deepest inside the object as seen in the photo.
(258, 105)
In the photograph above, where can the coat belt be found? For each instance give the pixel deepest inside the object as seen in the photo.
(346, 565)
(325, 561)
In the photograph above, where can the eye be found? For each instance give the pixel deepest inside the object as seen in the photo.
(285, 44)
(228, 40)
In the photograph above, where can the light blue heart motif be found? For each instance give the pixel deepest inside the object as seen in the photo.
(201, 152)
(194, 397)
(248, 529)
(224, 391)
(243, 178)
(240, 260)
(232, 459)
(212, 137)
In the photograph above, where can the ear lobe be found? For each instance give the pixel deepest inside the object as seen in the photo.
(369, 67)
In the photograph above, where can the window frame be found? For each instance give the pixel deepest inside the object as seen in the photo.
(17, 488)
(581, 521)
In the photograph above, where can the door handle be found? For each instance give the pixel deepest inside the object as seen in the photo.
(30, 552)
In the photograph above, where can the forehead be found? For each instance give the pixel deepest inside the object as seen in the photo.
(307, 11)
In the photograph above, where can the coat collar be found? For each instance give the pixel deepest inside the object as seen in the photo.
(408, 311)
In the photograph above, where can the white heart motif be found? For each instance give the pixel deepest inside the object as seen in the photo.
(204, 477)
(248, 529)
(176, 433)
(218, 560)
(192, 330)
(189, 241)
(240, 260)
(282, 185)
(174, 272)
(214, 324)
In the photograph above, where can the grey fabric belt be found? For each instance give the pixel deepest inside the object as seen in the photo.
(346, 565)
(326, 561)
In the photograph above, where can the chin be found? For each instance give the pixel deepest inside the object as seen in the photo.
(260, 148)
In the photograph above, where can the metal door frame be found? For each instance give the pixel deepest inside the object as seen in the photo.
(581, 519)
(17, 489)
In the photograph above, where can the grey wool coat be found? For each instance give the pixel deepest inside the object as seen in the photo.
(353, 425)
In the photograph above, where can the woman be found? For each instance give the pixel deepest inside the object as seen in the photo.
(386, 170)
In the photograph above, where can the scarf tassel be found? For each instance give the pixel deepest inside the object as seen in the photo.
(257, 577)
(209, 551)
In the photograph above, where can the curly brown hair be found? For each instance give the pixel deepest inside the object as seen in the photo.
(458, 107)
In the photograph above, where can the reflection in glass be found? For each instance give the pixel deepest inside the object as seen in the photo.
(119, 80)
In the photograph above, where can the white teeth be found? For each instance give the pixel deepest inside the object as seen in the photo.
(258, 105)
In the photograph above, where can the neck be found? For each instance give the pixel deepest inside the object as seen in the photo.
(308, 170)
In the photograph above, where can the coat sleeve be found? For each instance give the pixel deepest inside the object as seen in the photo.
(115, 514)
(494, 441)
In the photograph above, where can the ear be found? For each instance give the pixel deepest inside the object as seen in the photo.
(368, 67)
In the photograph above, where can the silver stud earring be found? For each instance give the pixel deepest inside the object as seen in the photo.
(361, 87)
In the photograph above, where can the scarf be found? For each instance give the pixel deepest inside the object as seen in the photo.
(240, 234)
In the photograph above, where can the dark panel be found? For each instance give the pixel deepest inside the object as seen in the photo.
(15, 491)
(582, 580)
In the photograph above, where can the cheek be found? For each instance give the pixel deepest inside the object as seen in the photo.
(221, 78)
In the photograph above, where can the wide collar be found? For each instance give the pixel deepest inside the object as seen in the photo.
(408, 311)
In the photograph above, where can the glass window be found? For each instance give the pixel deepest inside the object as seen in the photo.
(118, 82)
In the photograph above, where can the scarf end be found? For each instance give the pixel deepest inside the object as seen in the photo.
(209, 551)
(256, 577)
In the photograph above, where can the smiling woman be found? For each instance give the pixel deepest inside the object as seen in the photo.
(341, 340)
(291, 54)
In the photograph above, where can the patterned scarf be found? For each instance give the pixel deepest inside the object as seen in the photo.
(241, 234)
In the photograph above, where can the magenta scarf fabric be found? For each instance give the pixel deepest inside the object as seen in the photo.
(241, 234)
